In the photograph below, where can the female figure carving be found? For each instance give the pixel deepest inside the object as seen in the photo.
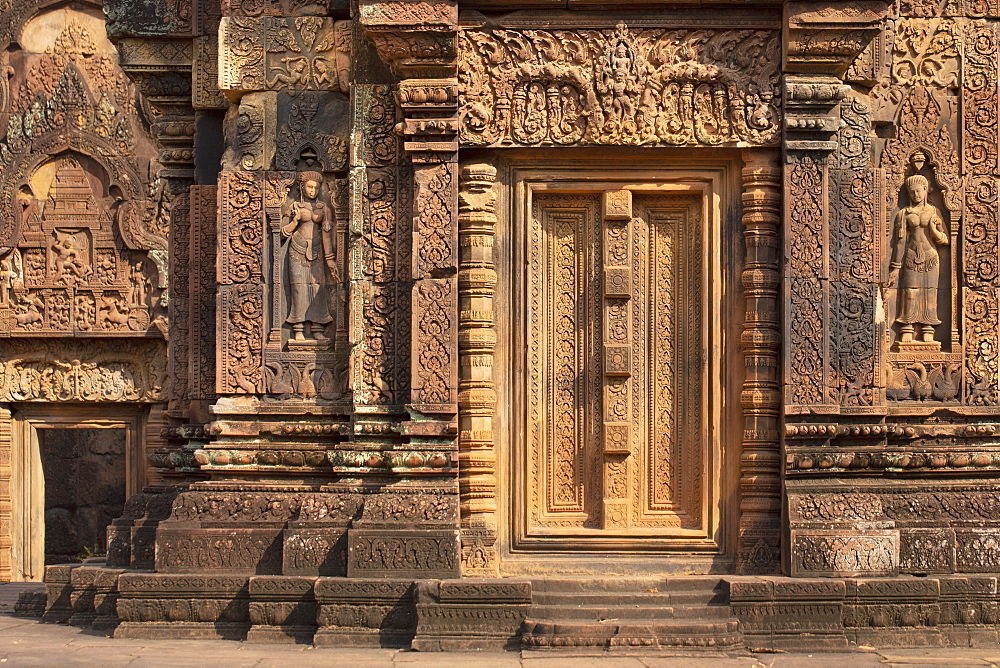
(918, 230)
(308, 226)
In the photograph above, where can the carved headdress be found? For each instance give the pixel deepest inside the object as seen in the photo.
(305, 177)
(915, 180)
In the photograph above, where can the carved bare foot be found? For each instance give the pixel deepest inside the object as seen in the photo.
(317, 334)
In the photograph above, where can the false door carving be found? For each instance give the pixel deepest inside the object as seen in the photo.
(616, 446)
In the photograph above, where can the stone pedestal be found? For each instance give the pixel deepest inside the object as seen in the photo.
(282, 609)
(160, 605)
(473, 614)
(359, 612)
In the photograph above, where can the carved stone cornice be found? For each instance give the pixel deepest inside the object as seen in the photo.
(415, 37)
(810, 124)
(826, 36)
(418, 40)
(168, 18)
(161, 69)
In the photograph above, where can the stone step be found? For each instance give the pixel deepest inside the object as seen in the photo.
(691, 634)
(663, 585)
(620, 598)
(30, 604)
(583, 585)
(606, 612)
(10, 592)
(678, 612)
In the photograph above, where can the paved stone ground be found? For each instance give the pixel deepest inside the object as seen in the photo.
(27, 642)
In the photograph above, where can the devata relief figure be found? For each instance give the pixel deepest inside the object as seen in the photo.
(310, 259)
(918, 229)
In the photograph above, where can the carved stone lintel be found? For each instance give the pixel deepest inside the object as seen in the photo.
(621, 86)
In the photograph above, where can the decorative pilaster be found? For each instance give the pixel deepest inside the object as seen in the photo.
(809, 131)
(417, 39)
(760, 481)
(156, 53)
(6, 509)
(477, 279)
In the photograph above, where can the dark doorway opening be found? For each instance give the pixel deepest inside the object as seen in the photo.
(85, 489)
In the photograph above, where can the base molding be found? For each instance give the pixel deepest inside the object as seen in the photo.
(772, 612)
(904, 611)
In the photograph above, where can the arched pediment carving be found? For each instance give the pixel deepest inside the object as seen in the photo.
(920, 128)
(68, 270)
(68, 95)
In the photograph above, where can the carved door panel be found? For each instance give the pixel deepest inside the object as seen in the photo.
(616, 402)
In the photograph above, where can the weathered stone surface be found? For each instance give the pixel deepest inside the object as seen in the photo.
(470, 614)
(396, 302)
(359, 612)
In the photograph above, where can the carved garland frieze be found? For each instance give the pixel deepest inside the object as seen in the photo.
(619, 86)
(95, 371)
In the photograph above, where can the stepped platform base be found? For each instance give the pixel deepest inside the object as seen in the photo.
(700, 615)
(656, 613)
(22, 599)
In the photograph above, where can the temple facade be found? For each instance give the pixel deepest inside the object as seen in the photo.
(432, 323)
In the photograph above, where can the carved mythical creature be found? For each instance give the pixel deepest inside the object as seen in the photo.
(28, 309)
(917, 375)
(69, 264)
(945, 381)
(897, 385)
(114, 314)
(918, 229)
(311, 265)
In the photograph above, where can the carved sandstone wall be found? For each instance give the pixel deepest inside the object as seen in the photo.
(890, 287)
(83, 243)
(467, 289)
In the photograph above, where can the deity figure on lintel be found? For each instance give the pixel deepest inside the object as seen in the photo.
(310, 259)
(918, 230)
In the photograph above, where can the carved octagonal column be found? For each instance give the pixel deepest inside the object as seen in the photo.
(477, 396)
(760, 483)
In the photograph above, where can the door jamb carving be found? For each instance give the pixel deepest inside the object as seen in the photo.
(27, 484)
(717, 178)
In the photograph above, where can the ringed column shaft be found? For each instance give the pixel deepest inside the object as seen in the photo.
(760, 460)
(477, 280)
